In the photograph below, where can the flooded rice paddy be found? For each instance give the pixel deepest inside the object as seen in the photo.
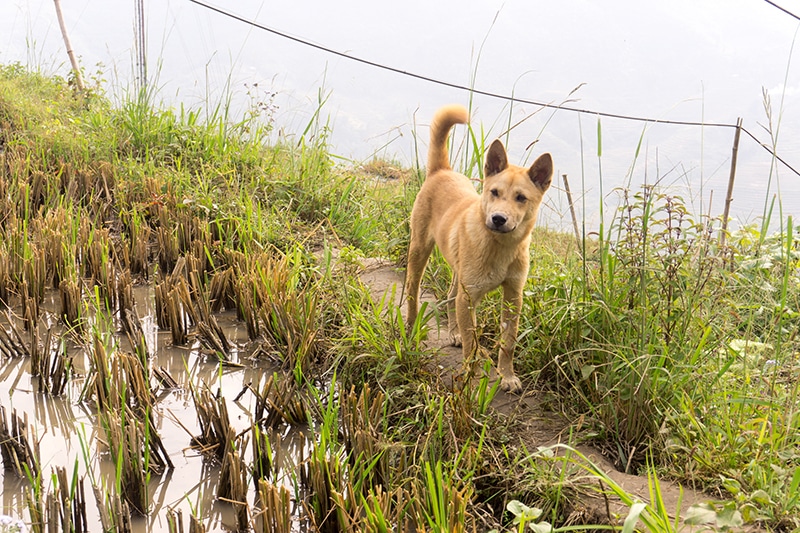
(68, 432)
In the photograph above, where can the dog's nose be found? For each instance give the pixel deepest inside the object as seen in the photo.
(498, 220)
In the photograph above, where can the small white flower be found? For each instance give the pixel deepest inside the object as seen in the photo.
(9, 524)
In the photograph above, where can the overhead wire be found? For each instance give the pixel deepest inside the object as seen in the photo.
(773, 4)
(489, 94)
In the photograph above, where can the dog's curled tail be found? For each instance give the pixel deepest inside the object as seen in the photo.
(444, 119)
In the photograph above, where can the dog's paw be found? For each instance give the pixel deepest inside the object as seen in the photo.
(511, 384)
(455, 339)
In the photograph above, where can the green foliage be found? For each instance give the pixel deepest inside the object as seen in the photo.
(443, 504)
(675, 348)
(635, 322)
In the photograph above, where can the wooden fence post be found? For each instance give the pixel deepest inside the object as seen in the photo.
(729, 196)
(75, 68)
(140, 47)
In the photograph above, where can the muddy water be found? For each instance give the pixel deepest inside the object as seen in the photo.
(69, 435)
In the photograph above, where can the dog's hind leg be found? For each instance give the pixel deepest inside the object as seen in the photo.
(465, 313)
(452, 317)
(418, 253)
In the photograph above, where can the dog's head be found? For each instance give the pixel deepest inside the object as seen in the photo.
(511, 194)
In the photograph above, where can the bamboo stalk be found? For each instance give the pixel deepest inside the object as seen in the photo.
(75, 68)
(572, 213)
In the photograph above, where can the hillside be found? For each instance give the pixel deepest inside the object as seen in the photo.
(203, 327)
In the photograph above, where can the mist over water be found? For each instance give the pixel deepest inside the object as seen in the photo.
(708, 62)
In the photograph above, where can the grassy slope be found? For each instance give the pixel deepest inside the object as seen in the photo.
(674, 352)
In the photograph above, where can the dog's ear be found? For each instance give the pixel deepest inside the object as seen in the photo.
(496, 159)
(541, 171)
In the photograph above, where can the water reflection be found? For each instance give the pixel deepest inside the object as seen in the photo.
(70, 434)
(13, 373)
(14, 493)
(55, 415)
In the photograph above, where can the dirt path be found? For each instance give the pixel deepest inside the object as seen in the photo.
(542, 427)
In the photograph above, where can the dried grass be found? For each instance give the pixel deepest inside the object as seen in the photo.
(215, 428)
(232, 486)
(71, 297)
(276, 508)
(64, 508)
(11, 344)
(280, 401)
(175, 522)
(115, 513)
(53, 366)
(19, 446)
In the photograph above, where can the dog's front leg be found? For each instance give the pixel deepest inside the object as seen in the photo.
(512, 304)
(465, 313)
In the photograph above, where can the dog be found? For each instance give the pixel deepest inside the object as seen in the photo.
(485, 238)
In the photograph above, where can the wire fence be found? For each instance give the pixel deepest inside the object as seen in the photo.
(508, 98)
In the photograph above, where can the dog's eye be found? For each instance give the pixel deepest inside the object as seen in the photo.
(521, 198)
(495, 193)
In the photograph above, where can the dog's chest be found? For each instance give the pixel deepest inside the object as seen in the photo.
(489, 272)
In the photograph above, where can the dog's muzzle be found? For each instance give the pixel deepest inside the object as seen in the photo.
(499, 223)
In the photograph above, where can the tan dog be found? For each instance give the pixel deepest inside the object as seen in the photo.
(485, 238)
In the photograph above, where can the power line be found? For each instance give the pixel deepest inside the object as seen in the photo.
(773, 4)
(485, 93)
(450, 84)
(769, 150)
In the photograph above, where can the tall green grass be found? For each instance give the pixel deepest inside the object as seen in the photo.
(674, 348)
